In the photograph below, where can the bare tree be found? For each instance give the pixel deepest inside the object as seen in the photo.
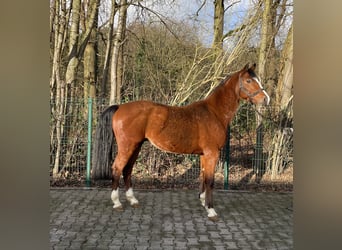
(63, 88)
(77, 41)
(115, 75)
(285, 82)
(226, 63)
(269, 65)
(109, 45)
(57, 85)
(281, 143)
(73, 55)
(90, 58)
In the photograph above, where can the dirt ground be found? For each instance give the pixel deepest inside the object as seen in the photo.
(239, 179)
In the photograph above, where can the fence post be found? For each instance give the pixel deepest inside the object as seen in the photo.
(226, 162)
(90, 119)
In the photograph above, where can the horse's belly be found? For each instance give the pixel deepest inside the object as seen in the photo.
(175, 144)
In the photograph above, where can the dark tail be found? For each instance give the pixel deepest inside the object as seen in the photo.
(103, 147)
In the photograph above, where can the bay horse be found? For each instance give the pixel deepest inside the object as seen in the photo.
(198, 128)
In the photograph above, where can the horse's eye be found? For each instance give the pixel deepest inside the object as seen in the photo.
(248, 80)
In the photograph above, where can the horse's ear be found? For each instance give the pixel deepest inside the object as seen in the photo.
(253, 66)
(246, 67)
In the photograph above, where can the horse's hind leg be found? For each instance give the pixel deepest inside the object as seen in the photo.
(117, 167)
(124, 160)
(127, 174)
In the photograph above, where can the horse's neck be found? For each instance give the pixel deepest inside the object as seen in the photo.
(224, 101)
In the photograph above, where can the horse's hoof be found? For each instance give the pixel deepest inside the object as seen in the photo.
(135, 205)
(213, 218)
(119, 209)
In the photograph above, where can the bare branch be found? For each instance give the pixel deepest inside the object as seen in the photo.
(202, 5)
(159, 16)
(231, 5)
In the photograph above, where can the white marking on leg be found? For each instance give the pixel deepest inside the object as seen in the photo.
(130, 197)
(115, 198)
(211, 212)
(202, 198)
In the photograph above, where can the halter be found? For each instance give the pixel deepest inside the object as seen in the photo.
(241, 87)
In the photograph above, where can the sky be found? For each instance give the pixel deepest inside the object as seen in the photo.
(185, 11)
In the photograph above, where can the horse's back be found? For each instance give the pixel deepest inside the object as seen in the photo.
(170, 128)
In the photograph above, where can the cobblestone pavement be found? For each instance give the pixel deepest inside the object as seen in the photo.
(167, 219)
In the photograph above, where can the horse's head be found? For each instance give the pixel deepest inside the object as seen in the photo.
(250, 87)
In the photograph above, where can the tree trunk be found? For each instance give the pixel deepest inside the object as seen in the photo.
(282, 146)
(76, 45)
(53, 15)
(59, 27)
(271, 67)
(285, 82)
(263, 55)
(115, 94)
(73, 59)
(90, 72)
(264, 39)
(218, 27)
(120, 73)
(108, 50)
(57, 86)
(90, 63)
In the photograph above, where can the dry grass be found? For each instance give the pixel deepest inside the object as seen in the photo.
(245, 179)
(187, 177)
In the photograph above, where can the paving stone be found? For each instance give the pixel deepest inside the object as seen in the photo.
(75, 246)
(192, 241)
(60, 247)
(220, 247)
(141, 247)
(115, 247)
(166, 219)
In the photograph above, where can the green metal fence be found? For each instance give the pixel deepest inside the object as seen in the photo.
(245, 160)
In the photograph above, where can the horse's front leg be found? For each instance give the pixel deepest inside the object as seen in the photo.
(208, 164)
(202, 187)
